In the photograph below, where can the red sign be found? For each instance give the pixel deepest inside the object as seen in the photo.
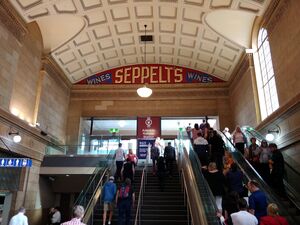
(148, 127)
(150, 74)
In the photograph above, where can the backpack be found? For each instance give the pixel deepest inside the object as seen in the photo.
(124, 191)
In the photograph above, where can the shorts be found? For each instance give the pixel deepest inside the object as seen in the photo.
(108, 206)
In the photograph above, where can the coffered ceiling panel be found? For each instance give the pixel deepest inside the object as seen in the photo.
(190, 33)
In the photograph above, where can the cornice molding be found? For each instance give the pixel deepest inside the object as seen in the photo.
(51, 67)
(159, 93)
(13, 22)
(274, 13)
(243, 66)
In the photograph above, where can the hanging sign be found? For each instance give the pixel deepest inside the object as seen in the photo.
(149, 74)
(148, 127)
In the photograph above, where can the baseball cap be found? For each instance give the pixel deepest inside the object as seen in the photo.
(111, 178)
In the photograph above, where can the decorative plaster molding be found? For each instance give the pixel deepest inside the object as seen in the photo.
(51, 67)
(243, 66)
(10, 18)
(274, 13)
(158, 94)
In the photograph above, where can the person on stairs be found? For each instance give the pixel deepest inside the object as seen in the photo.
(154, 156)
(170, 157)
(108, 197)
(243, 217)
(273, 217)
(119, 156)
(127, 170)
(125, 201)
(161, 172)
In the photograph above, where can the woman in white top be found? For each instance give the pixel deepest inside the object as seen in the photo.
(238, 139)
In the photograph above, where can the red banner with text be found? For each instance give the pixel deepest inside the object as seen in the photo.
(150, 74)
(148, 127)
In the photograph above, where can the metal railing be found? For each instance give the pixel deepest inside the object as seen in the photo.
(202, 205)
(186, 197)
(91, 184)
(293, 195)
(141, 196)
(76, 150)
(90, 204)
(251, 173)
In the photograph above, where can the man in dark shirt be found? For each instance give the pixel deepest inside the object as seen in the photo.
(154, 156)
(276, 164)
(169, 155)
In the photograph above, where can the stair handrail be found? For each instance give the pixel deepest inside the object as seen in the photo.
(95, 197)
(141, 196)
(197, 211)
(294, 196)
(97, 171)
(243, 163)
(259, 137)
(186, 193)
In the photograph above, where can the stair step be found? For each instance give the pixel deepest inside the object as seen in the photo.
(163, 222)
(176, 217)
(163, 207)
(164, 211)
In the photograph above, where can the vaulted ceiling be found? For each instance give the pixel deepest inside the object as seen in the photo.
(85, 37)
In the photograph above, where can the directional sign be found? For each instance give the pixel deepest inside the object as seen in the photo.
(15, 162)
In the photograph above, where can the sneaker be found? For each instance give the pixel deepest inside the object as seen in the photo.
(109, 222)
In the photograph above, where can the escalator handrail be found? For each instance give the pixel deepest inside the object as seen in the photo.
(198, 168)
(236, 161)
(271, 196)
(92, 178)
(259, 137)
(95, 196)
(292, 193)
(197, 211)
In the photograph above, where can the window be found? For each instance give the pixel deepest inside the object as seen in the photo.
(267, 93)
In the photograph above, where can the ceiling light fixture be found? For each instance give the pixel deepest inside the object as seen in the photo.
(144, 91)
(16, 138)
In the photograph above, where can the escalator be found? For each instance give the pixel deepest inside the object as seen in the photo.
(288, 209)
(207, 200)
(291, 177)
(90, 194)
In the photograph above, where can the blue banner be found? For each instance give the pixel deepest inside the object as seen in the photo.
(15, 162)
(142, 147)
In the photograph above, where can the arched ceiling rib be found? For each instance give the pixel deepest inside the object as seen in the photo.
(110, 37)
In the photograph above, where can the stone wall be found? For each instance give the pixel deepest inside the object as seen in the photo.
(20, 63)
(242, 101)
(283, 30)
(26, 98)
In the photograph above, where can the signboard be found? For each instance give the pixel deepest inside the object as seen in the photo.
(149, 74)
(15, 162)
(148, 127)
(143, 145)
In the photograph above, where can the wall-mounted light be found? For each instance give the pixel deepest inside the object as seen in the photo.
(270, 135)
(16, 136)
